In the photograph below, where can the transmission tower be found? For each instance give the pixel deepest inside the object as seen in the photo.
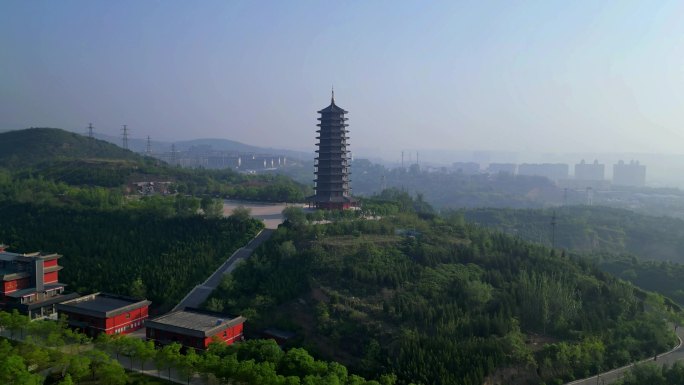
(90, 130)
(553, 230)
(125, 137)
(148, 149)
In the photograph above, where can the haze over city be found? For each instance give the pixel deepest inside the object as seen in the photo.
(505, 76)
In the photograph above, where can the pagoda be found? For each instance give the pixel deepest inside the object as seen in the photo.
(333, 161)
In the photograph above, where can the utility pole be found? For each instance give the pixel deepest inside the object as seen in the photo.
(90, 130)
(553, 230)
(590, 196)
(125, 137)
(148, 149)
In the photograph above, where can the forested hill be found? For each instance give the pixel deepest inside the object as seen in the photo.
(435, 301)
(33, 146)
(591, 228)
(643, 249)
(130, 252)
(48, 164)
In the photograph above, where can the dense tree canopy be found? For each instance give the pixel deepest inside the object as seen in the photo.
(127, 251)
(436, 301)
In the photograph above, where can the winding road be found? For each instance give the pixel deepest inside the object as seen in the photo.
(611, 376)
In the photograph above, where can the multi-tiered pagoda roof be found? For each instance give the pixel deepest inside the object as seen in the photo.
(332, 168)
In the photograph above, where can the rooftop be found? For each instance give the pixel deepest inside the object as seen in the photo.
(7, 256)
(195, 321)
(333, 107)
(102, 304)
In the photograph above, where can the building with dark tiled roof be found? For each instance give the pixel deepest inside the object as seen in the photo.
(195, 328)
(105, 313)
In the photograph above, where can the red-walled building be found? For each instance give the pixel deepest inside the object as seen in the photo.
(105, 313)
(30, 283)
(194, 328)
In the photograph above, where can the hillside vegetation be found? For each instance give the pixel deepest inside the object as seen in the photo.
(33, 146)
(642, 249)
(591, 229)
(432, 300)
(49, 163)
(127, 251)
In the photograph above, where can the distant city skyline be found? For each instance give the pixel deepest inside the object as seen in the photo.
(581, 77)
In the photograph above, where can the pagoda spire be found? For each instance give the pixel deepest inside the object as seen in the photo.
(332, 97)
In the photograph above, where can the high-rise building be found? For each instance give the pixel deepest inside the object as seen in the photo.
(629, 174)
(589, 171)
(332, 167)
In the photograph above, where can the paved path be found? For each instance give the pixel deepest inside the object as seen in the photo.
(201, 292)
(270, 213)
(609, 377)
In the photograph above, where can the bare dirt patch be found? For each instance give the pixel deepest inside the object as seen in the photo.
(270, 213)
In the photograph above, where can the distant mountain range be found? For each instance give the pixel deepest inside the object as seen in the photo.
(210, 144)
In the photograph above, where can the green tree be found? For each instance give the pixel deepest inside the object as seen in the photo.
(13, 372)
(241, 213)
(168, 356)
(138, 289)
(295, 215)
(188, 364)
(98, 359)
(66, 380)
(212, 208)
(111, 373)
(16, 322)
(78, 367)
(146, 352)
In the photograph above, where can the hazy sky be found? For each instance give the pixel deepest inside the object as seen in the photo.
(506, 75)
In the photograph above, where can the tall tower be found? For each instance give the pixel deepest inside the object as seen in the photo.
(125, 137)
(332, 167)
